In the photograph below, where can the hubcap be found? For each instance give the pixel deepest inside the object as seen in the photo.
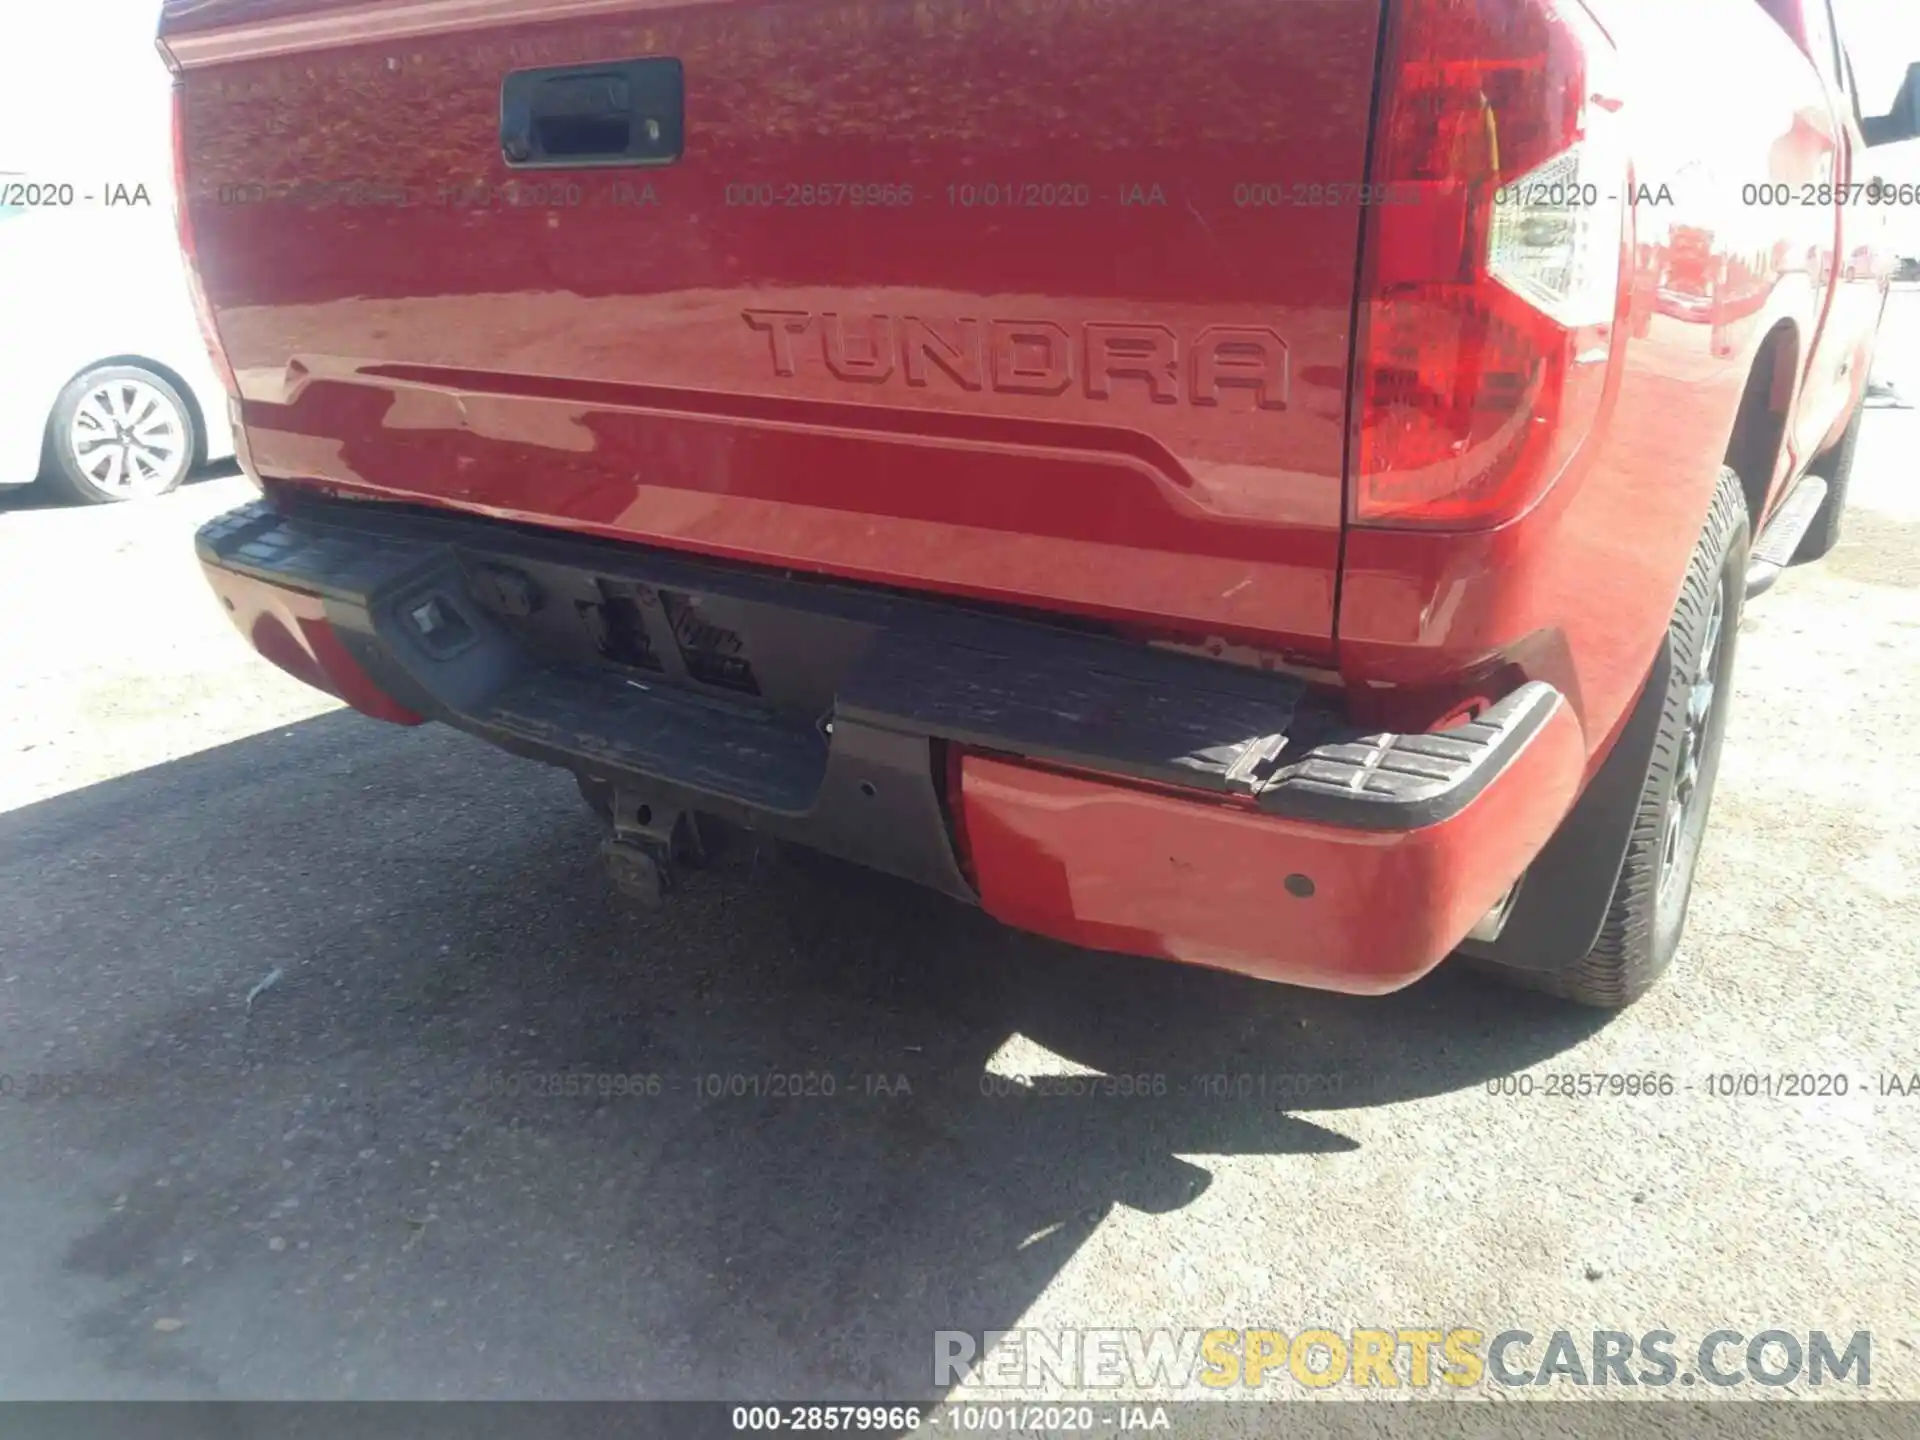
(1685, 795)
(128, 439)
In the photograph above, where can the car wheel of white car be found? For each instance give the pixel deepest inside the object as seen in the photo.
(120, 433)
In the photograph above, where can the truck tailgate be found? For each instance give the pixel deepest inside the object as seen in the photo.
(1035, 301)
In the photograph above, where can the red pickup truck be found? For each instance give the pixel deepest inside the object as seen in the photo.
(1266, 485)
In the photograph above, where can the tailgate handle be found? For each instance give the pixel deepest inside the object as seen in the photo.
(624, 112)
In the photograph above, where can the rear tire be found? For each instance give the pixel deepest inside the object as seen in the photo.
(1648, 910)
(120, 432)
(1836, 468)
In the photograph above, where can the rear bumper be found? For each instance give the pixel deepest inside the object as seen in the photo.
(1337, 908)
(1106, 794)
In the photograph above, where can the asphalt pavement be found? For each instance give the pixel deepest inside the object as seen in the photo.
(290, 974)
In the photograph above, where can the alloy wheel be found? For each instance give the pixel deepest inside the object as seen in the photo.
(1685, 794)
(129, 439)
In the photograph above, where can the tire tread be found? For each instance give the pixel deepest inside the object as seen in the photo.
(1626, 960)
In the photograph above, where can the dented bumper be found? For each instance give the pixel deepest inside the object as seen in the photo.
(1105, 793)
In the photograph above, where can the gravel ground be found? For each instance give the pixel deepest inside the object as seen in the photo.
(284, 950)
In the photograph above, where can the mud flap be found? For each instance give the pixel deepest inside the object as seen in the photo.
(1564, 894)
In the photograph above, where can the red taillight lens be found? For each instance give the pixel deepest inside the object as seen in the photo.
(1492, 268)
(183, 220)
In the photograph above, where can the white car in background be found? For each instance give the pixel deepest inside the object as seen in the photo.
(106, 391)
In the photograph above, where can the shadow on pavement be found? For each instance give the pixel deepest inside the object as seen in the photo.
(351, 1183)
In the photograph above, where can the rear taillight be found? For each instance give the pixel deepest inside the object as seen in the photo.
(1492, 264)
(183, 219)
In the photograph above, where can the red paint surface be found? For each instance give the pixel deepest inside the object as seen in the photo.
(1141, 872)
(1023, 404)
(1143, 413)
(1578, 591)
(290, 628)
(593, 366)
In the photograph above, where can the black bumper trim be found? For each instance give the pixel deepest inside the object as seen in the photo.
(1404, 782)
(848, 662)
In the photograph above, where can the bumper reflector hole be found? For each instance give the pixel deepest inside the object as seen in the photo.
(1299, 886)
(866, 788)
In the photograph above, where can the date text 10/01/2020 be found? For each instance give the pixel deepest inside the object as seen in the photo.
(561, 194)
(1720, 1085)
(713, 1085)
(1017, 1418)
(552, 194)
(829, 1085)
(883, 195)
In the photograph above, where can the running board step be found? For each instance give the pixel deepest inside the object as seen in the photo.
(1774, 550)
